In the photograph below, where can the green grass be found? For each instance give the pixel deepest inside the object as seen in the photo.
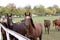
(54, 35)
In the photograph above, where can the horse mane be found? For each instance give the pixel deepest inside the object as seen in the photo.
(8, 21)
(32, 23)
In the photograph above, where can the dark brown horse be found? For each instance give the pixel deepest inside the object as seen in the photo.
(35, 28)
(19, 27)
(56, 23)
(47, 24)
(4, 23)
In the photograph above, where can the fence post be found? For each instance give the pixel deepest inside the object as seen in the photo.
(1, 38)
(7, 34)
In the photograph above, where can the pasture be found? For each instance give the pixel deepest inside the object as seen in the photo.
(54, 35)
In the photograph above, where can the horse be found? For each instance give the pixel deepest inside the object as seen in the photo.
(47, 24)
(56, 23)
(19, 27)
(4, 23)
(34, 28)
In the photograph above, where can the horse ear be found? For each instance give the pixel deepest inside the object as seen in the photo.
(29, 14)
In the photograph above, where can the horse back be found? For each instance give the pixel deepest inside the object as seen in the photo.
(57, 22)
(20, 28)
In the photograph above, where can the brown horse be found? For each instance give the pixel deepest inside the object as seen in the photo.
(56, 23)
(47, 24)
(35, 28)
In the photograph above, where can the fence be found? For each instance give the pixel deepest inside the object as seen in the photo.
(17, 35)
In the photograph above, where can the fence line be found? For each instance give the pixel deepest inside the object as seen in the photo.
(15, 34)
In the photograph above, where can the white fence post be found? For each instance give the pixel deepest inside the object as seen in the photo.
(1, 38)
(7, 34)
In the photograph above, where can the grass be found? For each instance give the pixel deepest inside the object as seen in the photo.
(54, 35)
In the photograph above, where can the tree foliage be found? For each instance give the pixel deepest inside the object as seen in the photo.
(39, 10)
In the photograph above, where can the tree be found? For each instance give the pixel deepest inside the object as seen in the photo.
(1, 10)
(20, 11)
(11, 8)
(39, 9)
(57, 8)
(48, 11)
(54, 11)
(28, 8)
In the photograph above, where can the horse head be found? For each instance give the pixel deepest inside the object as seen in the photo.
(28, 20)
(9, 20)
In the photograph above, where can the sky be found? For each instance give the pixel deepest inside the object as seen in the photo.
(23, 3)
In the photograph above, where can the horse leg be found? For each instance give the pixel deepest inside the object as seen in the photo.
(4, 37)
(45, 29)
(58, 28)
(40, 37)
(34, 38)
(48, 30)
(11, 37)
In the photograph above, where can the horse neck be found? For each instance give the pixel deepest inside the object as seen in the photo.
(31, 27)
(31, 23)
(8, 24)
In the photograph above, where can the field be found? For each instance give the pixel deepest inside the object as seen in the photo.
(54, 35)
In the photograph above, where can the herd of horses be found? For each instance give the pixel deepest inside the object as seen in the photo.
(56, 24)
(27, 27)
